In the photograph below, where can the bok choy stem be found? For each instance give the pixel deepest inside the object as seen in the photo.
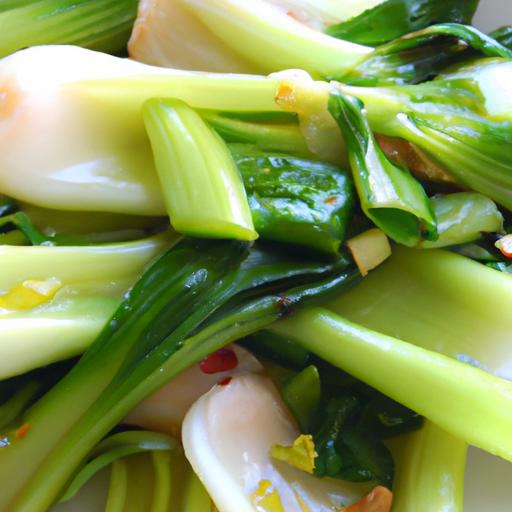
(102, 25)
(430, 471)
(89, 280)
(389, 195)
(202, 187)
(467, 402)
(144, 345)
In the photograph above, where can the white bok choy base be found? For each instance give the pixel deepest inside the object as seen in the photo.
(182, 33)
(227, 435)
(165, 410)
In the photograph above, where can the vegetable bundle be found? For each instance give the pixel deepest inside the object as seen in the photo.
(157, 209)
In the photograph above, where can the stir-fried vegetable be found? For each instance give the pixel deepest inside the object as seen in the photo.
(150, 217)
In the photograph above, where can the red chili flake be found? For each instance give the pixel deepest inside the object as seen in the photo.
(221, 361)
(22, 431)
(331, 200)
(226, 381)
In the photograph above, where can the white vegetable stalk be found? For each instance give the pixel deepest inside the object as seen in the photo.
(227, 435)
(55, 300)
(71, 131)
(241, 36)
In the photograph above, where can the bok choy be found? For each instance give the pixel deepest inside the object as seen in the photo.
(157, 331)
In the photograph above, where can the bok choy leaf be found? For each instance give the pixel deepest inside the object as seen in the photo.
(158, 331)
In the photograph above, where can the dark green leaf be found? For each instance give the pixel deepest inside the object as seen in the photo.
(422, 55)
(336, 413)
(296, 200)
(394, 18)
(389, 195)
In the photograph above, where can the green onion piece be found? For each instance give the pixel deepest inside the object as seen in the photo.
(467, 402)
(389, 195)
(203, 190)
(430, 471)
(102, 25)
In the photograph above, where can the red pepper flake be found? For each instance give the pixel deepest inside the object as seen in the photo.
(221, 361)
(226, 381)
(22, 431)
(332, 200)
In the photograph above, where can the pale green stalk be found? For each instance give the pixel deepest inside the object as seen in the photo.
(73, 129)
(203, 190)
(439, 301)
(118, 488)
(467, 402)
(430, 471)
(271, 40)
(93, 280)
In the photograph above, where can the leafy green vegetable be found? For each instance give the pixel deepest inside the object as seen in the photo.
(422, 55)
(504, 36)
(21, 221)
(92, 153)
(97, 24)
(463, 217)
(295, 200)
(394, 18)
(461, 119)
(266, 131)
(389, 195)
(203, 190)
(115, 447)
(441, 308)
(302, 395)
(87, 282)
(337, 411)
(157, 332)
(430, 471)
(467, 402)
(270, 40)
